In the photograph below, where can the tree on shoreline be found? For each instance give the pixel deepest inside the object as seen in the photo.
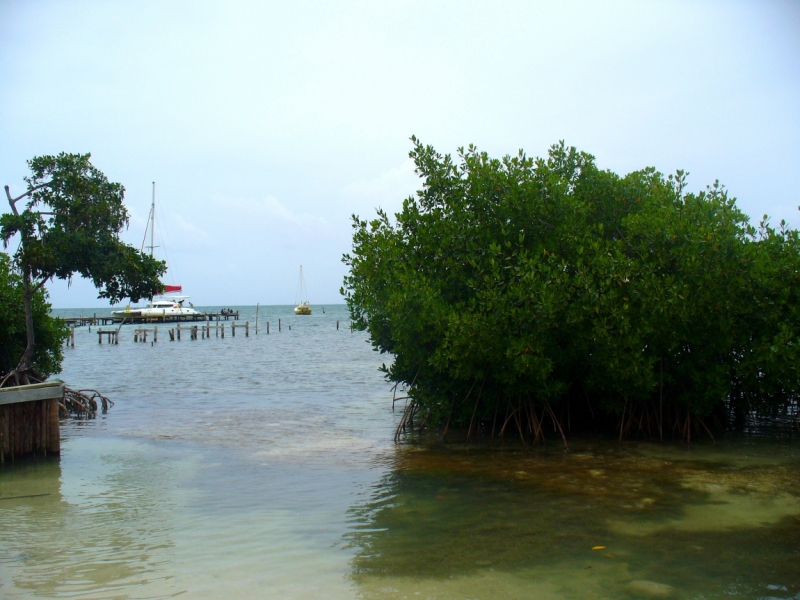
(521, 291)
(70, 223)
(50, 333)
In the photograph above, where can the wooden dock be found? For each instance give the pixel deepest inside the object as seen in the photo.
(96, 319)
(29, 420)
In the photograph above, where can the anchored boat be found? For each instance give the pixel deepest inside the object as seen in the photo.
(165, 306)
(303, 308)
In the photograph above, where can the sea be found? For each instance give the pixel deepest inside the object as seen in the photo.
(265, 466)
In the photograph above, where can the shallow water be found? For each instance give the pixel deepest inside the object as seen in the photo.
(264, 467)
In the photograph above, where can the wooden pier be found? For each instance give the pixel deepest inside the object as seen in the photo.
(140, 334)
(29, 420)
(196, 331)
(112, 336)
(246, 326)
(96, 319)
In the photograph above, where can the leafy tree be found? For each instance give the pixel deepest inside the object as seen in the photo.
(49, 332)
(528, 290)
(70, 223)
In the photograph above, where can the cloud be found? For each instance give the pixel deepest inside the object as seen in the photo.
(387, 190)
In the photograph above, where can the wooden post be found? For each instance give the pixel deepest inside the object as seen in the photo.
(257, 319)
(247, 329)
(337, 325)
(279, 325)
(179, 332)
(267, 327)
(233, 329)
(171, 335)
(99, 337)
(155, 333)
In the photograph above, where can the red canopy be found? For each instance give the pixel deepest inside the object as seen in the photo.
(172, 288)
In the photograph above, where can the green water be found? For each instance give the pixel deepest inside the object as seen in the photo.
(264, 467)
(458, 522)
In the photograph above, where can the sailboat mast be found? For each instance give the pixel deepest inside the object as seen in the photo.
(153, 220)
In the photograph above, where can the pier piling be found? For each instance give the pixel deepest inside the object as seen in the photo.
(246, 326)
(112, 336)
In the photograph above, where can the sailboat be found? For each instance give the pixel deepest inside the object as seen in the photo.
(167, 306)
(303, 308)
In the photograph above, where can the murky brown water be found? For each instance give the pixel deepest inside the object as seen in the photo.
(263, 467)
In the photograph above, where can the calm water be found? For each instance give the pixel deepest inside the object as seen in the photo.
(264, 467)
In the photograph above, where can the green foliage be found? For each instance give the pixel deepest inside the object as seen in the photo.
(71, 224)
(553, 281)
(50, 332)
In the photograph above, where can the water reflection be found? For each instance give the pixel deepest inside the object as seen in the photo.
(99, 534)
(467, 521)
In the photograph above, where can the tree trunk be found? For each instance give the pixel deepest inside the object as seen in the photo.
(27, 356)
(27, 293)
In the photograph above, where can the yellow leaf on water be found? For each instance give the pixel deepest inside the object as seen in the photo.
(610, 555)
(598, 547)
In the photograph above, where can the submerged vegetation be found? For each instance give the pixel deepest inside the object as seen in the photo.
(521, 292)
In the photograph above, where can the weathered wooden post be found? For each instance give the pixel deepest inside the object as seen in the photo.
(194, 332)
(247, 329)
(155, 334)
(171, 335)
(179, 332)
(337, 325)
(233, 329)
(99, 337)
(279, 325)
(267, 327)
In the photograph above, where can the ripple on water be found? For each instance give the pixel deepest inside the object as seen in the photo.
(264, 467)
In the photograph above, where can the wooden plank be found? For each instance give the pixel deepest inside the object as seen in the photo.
(31, 393)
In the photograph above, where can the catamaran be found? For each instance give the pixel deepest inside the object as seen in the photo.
(303, 308)
(167, 305)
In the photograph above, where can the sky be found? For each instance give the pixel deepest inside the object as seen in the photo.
(266, 125)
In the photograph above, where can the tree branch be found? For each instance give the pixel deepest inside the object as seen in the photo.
(13, 201)
(40, 285)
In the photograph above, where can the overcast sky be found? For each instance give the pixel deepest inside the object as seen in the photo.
(266, 125)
